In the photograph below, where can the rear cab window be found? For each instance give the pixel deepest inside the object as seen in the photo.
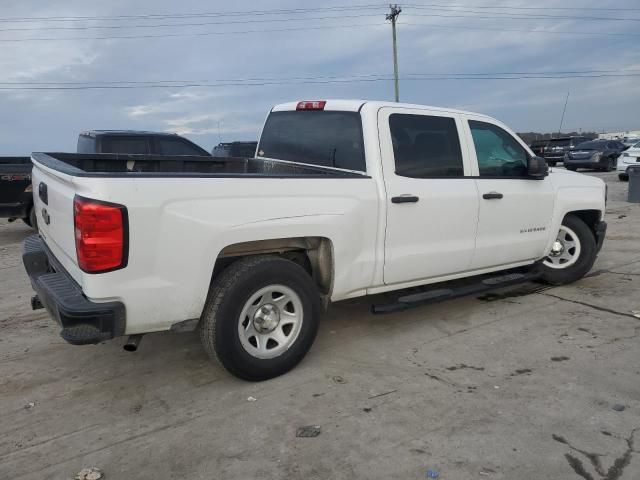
(125, 144)
(178, 146)
(316, 137)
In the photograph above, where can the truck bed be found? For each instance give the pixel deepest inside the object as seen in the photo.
(118, 165)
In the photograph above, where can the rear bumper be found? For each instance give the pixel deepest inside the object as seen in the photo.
(14, 210)
(601, 232)
(586, 163)
(83, 321)
(623, 167)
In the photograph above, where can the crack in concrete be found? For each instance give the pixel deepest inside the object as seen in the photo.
(595, 307)
(613, 473)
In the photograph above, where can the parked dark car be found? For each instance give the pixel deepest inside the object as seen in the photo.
(557, 147)
(537, 146)
(16, 198)
(137, 142)
(235, 149)
(597, 154)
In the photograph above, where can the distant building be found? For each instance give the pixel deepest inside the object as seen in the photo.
(617, 135)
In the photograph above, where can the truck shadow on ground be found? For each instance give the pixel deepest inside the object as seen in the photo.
(15, 235)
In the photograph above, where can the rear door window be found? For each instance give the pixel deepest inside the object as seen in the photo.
(425, 146)
(316, 137)
(125, 144)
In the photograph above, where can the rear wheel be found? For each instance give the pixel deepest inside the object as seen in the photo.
(31, 219)
(572, 254)
(610, 165)
(261, 317)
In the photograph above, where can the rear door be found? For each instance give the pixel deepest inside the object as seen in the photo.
(515, 211)
(432, 203)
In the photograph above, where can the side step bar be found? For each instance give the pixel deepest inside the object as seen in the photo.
(439, 294)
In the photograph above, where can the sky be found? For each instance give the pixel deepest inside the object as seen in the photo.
(252, 55)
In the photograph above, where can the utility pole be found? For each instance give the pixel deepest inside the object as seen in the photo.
(562, 118)
(393, 16)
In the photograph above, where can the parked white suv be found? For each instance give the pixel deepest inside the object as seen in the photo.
(630, 156)
(346, 198)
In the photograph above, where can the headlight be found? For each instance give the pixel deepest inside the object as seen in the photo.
(597, 155)
(625, 154)
(29, 188)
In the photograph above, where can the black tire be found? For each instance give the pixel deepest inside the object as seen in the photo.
(623, 177)
(551, 163)
(585, 260)
(227, 297)
(573, 169)
(610, 166)
(31, 219)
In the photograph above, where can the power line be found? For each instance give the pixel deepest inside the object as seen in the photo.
(323, 77)
(329, 81)
(519, 30)
(155, 16)
(190, 15)
(188, 34)
(164, 25)
(308, 28)
(518, 7)
(448, 13)
(518, 16)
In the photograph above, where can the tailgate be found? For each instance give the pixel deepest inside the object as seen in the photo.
(53, 194)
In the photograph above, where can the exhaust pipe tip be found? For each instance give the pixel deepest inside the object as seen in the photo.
(132, 343)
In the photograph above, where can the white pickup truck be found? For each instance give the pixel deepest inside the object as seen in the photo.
(345, 198)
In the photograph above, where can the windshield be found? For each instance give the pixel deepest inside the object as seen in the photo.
(317, 137)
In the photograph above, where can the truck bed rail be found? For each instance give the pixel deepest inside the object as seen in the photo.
(119, 165)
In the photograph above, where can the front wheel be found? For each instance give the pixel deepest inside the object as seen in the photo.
(572, 254)
(623, 177)
(261, 317)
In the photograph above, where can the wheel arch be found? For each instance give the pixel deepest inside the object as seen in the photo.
(314, 254)
(589, 216)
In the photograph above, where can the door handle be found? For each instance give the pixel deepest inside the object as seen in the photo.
(405, 199)
(492, 196)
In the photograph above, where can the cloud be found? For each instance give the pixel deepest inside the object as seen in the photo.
(51, 120)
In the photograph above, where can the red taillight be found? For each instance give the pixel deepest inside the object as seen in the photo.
(101, 235)
(316, 105)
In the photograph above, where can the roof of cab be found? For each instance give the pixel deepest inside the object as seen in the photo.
(95, 133)
(356, 106)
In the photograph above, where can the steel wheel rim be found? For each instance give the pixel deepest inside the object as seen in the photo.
(270, 321)
(569, 252)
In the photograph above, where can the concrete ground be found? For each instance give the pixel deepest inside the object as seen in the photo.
(515, 385)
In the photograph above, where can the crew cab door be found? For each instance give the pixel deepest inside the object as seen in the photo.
(515, 210)
(431, 204)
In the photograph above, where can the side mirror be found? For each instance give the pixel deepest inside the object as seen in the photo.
(537, 168)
